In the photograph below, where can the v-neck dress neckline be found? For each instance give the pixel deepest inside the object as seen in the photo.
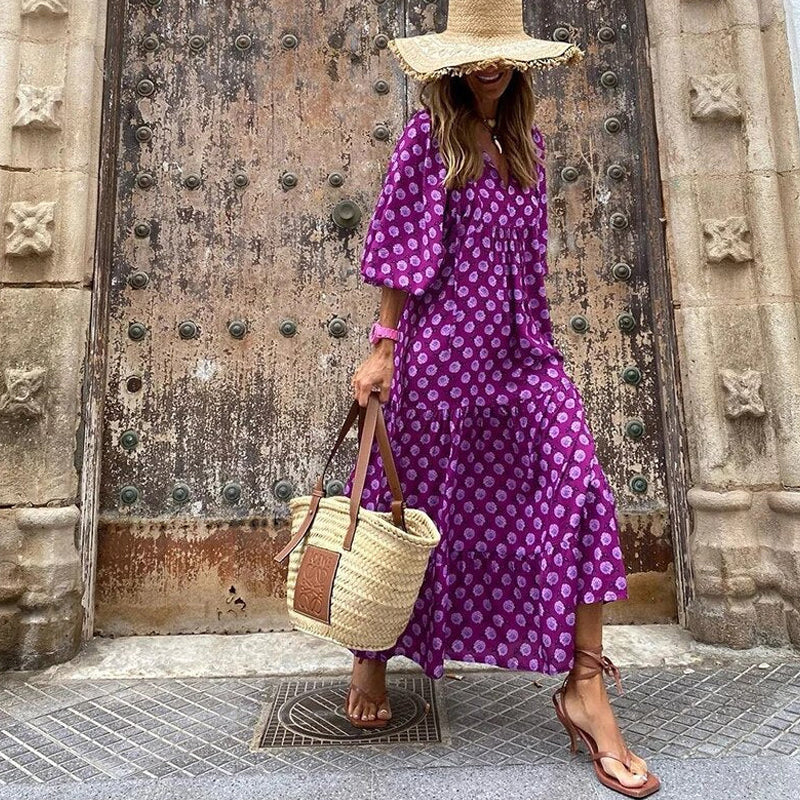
(487, 157)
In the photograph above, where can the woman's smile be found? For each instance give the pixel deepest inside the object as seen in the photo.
(489, 84)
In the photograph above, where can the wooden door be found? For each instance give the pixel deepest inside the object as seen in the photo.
(252, 141)
(252, 137)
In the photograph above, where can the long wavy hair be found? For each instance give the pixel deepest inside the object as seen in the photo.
(450, 102)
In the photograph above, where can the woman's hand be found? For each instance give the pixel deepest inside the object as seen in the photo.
(375, 372)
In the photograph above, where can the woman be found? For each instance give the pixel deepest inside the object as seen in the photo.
(488, 431)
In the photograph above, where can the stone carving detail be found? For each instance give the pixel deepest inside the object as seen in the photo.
(37, 106)
(715, 97)
(56, 7)
(742, 393)
(40, 585)
(727, 239)
(22, 397)
(29, 229)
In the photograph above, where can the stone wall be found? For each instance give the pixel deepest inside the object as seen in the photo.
(728, 135)
(51, 59)
(793, 35)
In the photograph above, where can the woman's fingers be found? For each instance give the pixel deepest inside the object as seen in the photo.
(368, 378)
(363, 389)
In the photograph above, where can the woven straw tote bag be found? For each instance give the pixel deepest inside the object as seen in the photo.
(355, 574)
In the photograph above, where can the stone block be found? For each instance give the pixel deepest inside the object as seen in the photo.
(9, 67)
(728, 448)
(770, 610)
(10, 21)
(789, 188)
(769, 244)
(41, 357)
(57, 116)
(783, 545)
(793, 625)
(723, 197)
(685, 245)
(49, 558)
(699, 18)
(47, 231)
(41, 614)
(669, 82)
(783, 108)
(663, 19)
(722, 546)
(11, 582)
(705, 427)
(48, 637)
(717, 621)
(10, 616)
(83, 83)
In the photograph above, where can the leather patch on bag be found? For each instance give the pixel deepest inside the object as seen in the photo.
(314, 583)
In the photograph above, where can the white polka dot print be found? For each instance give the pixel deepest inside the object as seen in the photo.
(488, 430)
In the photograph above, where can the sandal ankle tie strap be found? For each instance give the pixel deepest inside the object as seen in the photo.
(599, 663)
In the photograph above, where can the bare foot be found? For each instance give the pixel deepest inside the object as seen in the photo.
(588, 706)
(369, 675)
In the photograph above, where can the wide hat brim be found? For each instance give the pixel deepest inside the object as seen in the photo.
(433, 55)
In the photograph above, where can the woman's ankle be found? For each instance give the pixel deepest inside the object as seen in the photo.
(583, 684)
(370, 663)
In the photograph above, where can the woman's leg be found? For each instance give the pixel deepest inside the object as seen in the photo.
(370, 675)
(587, 701)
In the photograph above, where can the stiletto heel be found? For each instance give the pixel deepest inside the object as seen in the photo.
(573, 741)
(600, 663)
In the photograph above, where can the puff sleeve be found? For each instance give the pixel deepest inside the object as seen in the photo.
(404, 243)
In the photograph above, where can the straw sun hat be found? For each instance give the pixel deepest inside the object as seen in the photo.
(479, 34)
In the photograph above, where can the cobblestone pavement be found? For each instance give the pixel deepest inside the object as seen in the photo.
(726, 732)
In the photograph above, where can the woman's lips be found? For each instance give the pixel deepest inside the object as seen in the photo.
(493, 78)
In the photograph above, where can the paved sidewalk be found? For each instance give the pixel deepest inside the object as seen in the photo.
(721, 724)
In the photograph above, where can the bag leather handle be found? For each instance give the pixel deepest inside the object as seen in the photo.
(370, 423)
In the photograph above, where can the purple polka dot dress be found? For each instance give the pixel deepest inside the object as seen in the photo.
(488, 430)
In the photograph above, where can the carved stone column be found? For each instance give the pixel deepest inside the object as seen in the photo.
(728, 130)
(51, 52)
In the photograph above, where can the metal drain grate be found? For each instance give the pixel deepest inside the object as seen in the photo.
(310, 713)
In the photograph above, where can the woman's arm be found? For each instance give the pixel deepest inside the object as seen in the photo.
(378, 368)
(392, 302)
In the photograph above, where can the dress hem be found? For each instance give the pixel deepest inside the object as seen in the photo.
(503, 662)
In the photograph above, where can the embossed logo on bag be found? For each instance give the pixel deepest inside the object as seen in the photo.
(314, 583)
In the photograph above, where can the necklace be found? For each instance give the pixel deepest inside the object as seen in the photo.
(490, 124)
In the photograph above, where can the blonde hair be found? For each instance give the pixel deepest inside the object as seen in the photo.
(449, 101)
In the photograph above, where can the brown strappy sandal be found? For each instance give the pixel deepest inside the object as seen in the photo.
(365, 723)
(600, 663)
